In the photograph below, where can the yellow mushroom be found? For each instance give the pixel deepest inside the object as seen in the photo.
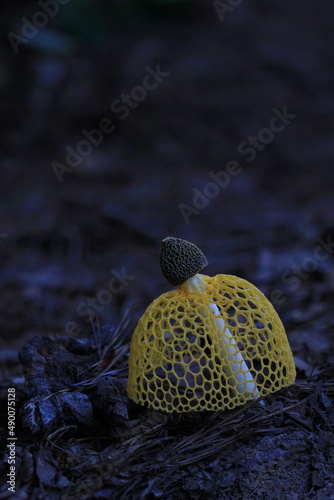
(213, 343)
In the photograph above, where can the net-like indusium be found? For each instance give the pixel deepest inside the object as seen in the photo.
(209, 351)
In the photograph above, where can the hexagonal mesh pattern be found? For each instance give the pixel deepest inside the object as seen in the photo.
(180, 360)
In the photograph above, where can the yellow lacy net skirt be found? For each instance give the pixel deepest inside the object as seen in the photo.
(209, 351)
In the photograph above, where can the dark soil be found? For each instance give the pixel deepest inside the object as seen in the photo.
(201, 157)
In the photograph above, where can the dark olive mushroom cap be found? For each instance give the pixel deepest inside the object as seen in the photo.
(180, 260)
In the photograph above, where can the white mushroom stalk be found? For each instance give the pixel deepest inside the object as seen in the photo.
(212, 343)
(236, 368)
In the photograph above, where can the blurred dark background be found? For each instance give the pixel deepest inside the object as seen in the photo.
(224, 71)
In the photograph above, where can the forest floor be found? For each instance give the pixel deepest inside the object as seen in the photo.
(78, 436)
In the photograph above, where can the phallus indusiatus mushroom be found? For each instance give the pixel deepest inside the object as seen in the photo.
(213, 343)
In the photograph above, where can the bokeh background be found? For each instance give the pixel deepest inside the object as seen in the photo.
(227, 67)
